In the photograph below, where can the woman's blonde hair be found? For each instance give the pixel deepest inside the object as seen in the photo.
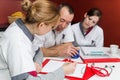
(40, 11)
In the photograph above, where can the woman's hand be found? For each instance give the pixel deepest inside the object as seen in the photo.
(38, 67)
(69, 68)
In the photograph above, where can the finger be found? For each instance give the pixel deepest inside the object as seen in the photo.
(74, 52)
(76, 48)
(74, 64)
(66, 63)
(71, 53)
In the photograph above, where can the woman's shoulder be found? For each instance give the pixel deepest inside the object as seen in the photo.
(98, 28)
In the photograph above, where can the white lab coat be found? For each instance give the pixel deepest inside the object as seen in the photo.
(94, 37)
(4, 72)
(17, 55)
(46, 40)
(17, 51)
(64, 36)
(54, 38)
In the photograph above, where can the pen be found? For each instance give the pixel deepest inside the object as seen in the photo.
(63, 36)
(93, 43)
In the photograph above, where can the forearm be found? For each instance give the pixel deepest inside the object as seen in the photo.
(56, 75)
(50, 52)
(55, 50)
(38, 58)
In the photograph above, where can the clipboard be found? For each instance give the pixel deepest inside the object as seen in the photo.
(77, 75)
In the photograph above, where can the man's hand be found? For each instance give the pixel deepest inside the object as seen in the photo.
(67, 50)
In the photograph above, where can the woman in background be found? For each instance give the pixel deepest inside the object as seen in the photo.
(87, 32)
(18, 59)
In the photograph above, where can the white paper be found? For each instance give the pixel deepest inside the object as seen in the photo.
(79, 71)
(54, 65)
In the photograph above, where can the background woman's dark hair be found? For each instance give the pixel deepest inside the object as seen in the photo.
(94, 12)
(70, 9)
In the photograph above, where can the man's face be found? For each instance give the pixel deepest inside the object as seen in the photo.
(65, 19)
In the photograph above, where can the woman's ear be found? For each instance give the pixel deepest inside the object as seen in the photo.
(42, 24)
(85, 15)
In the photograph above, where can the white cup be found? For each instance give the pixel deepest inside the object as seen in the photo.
(114, 48)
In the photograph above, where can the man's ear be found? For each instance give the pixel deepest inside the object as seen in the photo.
(85, 15)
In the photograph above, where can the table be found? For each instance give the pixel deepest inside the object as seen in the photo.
(115, 74)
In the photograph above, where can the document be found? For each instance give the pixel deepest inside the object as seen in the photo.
(53, 65)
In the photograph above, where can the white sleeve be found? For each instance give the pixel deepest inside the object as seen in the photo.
(38, 42)
(68, 35)
(100, 39)
(56, 75)
(20, 56)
